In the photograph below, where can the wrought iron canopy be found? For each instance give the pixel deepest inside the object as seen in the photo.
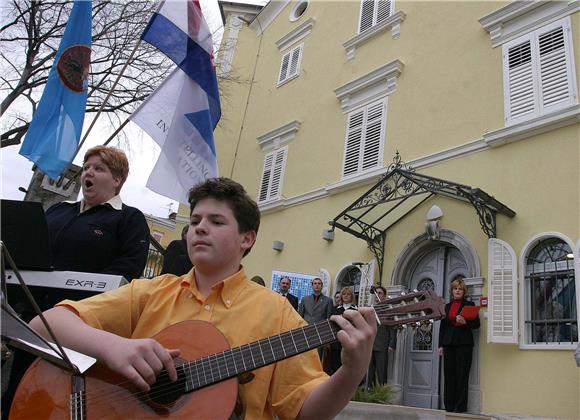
(398, 193)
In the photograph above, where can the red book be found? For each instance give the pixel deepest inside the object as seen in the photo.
(469, 312)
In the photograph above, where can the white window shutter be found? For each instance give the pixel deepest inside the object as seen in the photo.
(295, 61)
(266, 175)
(502, 326)
(520, 84)
(284, 67)
(554, 69)
(373, 135)
(383, 10)
(352, 152)
(367, 12)
(277, 173)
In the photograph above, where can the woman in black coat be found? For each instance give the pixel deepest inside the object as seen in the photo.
(347, 297)
(456, 346)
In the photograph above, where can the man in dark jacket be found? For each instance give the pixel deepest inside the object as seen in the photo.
(284, 287)
(176, 260)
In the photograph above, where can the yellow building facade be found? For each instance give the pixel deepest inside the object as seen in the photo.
(438, 139)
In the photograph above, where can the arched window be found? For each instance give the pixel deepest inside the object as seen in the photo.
(550, 294)
(350, 277)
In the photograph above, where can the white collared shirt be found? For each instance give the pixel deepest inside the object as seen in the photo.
(114, 202)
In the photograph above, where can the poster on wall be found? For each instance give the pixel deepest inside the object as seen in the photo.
(301, 283)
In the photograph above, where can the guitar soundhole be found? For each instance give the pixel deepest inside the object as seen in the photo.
(165, 392)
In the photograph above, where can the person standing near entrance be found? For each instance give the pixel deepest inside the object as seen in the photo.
(315, 307)
(456, 346)
(347, 297)
(284, 287)
(385, 342)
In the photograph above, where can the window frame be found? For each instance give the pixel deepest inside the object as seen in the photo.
(375, 13)
(273, 195)
(288, 76)
(524, 308)
(539, 108)
(363, 141)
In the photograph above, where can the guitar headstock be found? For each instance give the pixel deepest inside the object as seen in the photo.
(410, 308)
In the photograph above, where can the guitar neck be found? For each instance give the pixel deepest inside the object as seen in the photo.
(233, 362)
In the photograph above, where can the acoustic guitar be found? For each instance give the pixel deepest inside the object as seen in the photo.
(208, 370)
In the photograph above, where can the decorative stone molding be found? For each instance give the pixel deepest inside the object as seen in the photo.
(296, 34)
(421, 244)
(524, 16)
(278, 137)
(267, 15)
(533, 127)
(393, 23)
(374, 85)
(475, 287)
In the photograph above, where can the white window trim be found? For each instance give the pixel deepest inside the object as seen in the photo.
(278, 137)
(566, 26)
(520, 17)
(524, 345)
(290, 52)
(393, 23)
(378, 83)
(228, 48)
(296, 35)
(277, 197)
(379, 165)
(533, 127)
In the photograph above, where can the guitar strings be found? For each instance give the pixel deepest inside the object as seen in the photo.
(119, 395)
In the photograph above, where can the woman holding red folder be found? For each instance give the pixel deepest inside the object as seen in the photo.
(456, 346)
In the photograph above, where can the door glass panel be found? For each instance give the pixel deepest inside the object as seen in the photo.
(423, 335)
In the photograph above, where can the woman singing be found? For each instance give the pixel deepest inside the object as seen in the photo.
(456, 346)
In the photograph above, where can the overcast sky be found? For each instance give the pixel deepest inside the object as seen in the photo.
(141, 150)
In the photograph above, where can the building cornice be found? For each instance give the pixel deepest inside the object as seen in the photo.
(268, 15)
(296, 35)
(278, 137)
(376, 84)
(393, 23)
(162, 222)
(533, 127)
(523, 16)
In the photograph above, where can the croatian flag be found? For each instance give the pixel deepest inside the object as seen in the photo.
(55, 130)
(181, 114)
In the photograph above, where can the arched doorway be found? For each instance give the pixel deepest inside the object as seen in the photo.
(434, 271)
(349, 276)
(432, 264)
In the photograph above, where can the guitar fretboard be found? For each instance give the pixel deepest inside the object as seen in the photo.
(233, 362)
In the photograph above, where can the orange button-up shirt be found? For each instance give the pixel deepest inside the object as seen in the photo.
(242, 310)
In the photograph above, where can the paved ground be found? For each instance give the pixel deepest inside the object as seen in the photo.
(357, 410)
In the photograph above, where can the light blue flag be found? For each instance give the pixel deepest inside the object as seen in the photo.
(55, 131)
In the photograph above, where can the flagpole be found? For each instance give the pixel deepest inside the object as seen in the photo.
(103, 105)
(108, 96)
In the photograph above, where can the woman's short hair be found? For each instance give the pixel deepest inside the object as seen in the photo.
(458, 282)
(114, 158)
(349, 290)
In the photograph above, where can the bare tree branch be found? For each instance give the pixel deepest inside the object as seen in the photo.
(30, 38)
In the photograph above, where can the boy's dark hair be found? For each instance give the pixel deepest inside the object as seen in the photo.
(235, 196)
